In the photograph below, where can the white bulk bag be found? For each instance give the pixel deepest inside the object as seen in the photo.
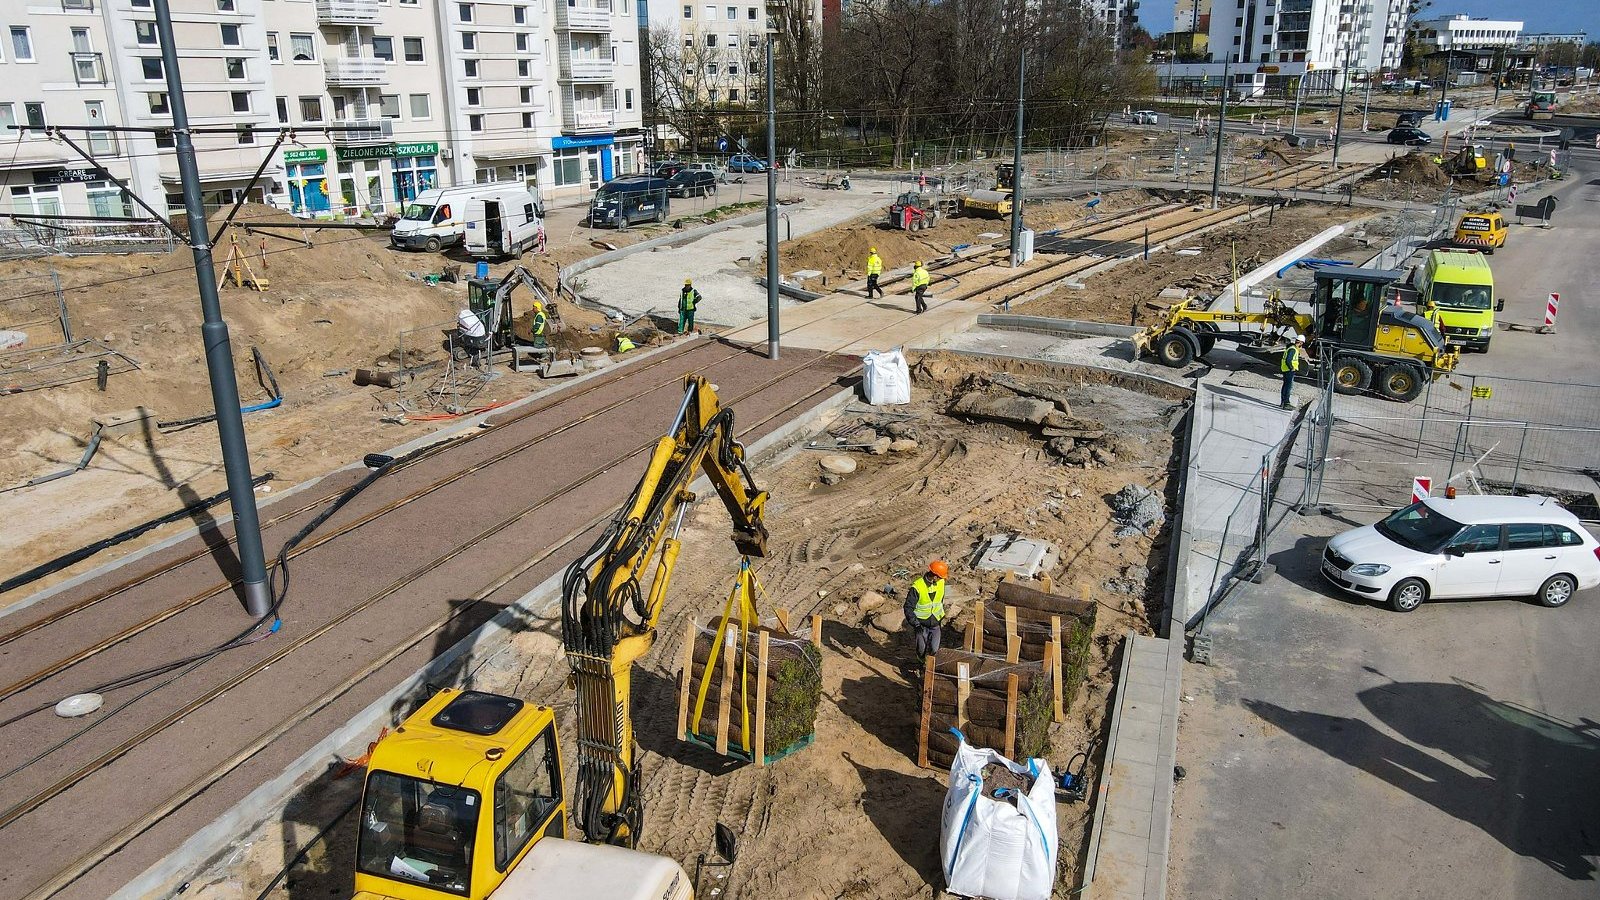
(1002, 849)
(887, 379)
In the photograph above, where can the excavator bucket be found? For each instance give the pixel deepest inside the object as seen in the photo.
(1143, 341)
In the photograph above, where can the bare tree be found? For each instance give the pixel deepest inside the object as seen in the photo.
(797, 52)
(680, 72)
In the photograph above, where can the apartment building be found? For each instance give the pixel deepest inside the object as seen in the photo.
(1460, 32)
(1321, 34)
(385, 98)
(723, 49)
(1118, 16)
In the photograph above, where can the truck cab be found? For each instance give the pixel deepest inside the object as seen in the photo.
(1458, 287)
(465, 799)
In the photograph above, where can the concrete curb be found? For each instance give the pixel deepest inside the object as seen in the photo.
(433, 437)
(261, 804)
(685, 236)
(1064, 327)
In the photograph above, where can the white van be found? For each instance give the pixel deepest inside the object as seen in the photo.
(504, 222)
(436, 218)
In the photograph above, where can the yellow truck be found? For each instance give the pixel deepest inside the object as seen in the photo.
(1482, 230)
(1455, 289)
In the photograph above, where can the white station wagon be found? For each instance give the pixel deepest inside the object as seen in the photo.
(1467, 547)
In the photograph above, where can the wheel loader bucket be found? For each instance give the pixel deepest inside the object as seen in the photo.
(1143, 341)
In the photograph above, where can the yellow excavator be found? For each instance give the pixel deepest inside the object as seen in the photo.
(467, 797)
(1356, 317)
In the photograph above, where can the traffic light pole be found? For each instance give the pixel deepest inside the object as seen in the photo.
(214, 333)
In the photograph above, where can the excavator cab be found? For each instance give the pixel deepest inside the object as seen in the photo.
(1005, 177)
(485, 302)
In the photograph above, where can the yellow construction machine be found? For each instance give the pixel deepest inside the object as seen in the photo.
(1356, 319)
(995, 203)
(466, 798)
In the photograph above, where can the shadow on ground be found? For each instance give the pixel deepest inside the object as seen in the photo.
(1529, 781)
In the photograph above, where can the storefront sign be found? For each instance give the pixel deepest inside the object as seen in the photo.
(293, 157)
(385, 151)
(562, 142)
(71, 176)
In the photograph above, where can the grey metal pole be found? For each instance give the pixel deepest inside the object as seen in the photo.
(214, 333)
(772, 207)
(1344, 88)
(1016, 168)
(1222, 129)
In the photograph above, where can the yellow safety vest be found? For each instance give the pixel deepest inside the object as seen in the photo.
(919, 277)
(874, 265)
(930, 599)
(538, 323)
(687, 298)
(623, 344)
(1291, 359)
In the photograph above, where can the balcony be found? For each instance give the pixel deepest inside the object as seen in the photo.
(582, 121)
(587, 70)
(347, 12)
(88, 68)
(595, 18)
(360, 132)
(355, 71)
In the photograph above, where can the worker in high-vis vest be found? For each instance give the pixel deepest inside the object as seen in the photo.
(540, 323)
(874, 270)
(1293, 356)
(919, 285)
(688, 299)
(925, 608)
(624, 343)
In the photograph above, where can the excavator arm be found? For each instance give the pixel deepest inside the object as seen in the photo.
(608, 620)
(521, 277)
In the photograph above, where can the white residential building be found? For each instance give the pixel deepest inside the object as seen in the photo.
(1545, 39)
(1460, 32)
(385, 98)
(1321, 34)
(723, 47)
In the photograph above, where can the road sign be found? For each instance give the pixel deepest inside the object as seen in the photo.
(1482, 392)
(1420, 487)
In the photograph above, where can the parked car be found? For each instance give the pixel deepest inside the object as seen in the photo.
(1466, 547)
(692, 183)
(668, 168)
(1144, 117)
(1410, 136)
(744, 162)
(715, 168)
(1410, 118)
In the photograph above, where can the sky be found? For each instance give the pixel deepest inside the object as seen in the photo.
(1544, 15)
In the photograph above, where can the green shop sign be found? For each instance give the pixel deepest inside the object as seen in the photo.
(385, 151)
(291, 157)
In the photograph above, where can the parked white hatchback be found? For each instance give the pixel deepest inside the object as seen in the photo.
(1467, 547)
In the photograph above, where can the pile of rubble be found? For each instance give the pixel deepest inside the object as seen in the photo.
(1038, 405)
(876, 433)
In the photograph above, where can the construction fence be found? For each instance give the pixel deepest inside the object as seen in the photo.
(29, 237)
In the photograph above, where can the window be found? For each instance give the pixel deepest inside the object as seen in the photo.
(711, 68)
(1526, 537)
(525, 796)
(713, 94)
(471, 67)
(750, 13)
(38, 199)
(165, 141)
(568, 167)
(139, 4)
(527, 120)
(733, 68)
(688, 42)
(225, 5)
(1561, 536)
(733, 96)
(469, 40)
(272, 47)
(21, 44)
(247, 134)
(526, 96)
(524, 69)
(688, 12)
(383, 48)
(464, 10)
(522, 42)
(144, 33)
(711, 13)
(475, 123)
(235, 66)
(519, 15)
(1476, 539)
(230, 35)
(241, 101)
(34, 114)
(419, 106)
(302, 48)
(150, 67)
(627, 98)
(8, 115)
(408, 2)
(711, 40)
(311, 109)
(413, 49)
(733, 13)
(403, 818)
(158, 103)
(474, 97)
(283, 109)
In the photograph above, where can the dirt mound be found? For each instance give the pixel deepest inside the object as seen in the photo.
(1413, 168)
(1113, 170)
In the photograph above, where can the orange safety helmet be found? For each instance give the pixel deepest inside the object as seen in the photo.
(939, 568)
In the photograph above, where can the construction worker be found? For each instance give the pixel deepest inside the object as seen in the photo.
(688, 299)
(1290, 364)
(919, 285)
(874, 269)
(624, 343)
(540, 322)
(925, 608)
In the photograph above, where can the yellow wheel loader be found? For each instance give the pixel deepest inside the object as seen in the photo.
(1356, 317)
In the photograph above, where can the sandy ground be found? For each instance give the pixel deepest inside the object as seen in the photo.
(1112, 296)
(347, 302)
(851, 815)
